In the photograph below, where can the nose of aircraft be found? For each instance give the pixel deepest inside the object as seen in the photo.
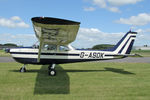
(7, 50)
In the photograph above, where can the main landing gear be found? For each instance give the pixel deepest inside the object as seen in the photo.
(23, 69)
(51, 70)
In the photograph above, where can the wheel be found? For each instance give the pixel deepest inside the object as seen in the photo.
(22, 69)
(52, 72)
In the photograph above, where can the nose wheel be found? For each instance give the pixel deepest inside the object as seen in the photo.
(51, 70)
(23, 69)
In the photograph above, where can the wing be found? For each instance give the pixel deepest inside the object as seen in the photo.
(54, 31)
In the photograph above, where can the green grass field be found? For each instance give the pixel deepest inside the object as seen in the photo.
(79, 81)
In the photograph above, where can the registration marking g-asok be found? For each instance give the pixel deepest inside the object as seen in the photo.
(91, 55)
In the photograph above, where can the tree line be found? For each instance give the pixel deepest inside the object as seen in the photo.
(102, 46)
(9, 44)
(95, 47)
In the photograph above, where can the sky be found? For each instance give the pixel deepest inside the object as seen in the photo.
(102, 21)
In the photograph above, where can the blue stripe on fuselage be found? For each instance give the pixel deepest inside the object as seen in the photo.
(34, 53)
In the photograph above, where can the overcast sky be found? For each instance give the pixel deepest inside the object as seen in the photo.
(102, 21)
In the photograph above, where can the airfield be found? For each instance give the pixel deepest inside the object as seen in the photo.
(122, 79)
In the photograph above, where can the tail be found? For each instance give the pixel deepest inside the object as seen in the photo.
(124, 46)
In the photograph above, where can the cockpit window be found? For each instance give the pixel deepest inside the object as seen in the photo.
(50, 47)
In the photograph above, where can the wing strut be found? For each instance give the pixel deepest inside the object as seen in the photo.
(40, 49)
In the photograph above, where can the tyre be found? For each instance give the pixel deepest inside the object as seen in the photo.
(52, 72)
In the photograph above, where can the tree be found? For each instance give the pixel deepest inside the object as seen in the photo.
(102, 46)
(10, 44)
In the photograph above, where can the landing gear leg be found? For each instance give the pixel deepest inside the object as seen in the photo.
(23, 69)
(51, 70)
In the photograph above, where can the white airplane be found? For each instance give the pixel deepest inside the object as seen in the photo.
(54, 37)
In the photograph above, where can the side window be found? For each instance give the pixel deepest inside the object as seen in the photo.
(35, 46)
(63, 48)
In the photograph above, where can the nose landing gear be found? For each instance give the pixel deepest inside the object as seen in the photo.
(23, 69)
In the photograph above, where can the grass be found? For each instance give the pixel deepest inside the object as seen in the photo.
(144, 53)
(3, 54)
(79, 81)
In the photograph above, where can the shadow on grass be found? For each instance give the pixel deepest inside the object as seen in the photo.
(45, 84)
(28, 71)
(115, 70)
(59, 84)
(120, 71)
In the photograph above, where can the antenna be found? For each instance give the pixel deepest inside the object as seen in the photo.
(132, 28)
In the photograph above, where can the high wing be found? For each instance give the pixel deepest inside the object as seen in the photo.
(54, 31)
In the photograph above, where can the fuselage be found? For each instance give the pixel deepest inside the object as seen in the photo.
(30, 56)
(57, 54)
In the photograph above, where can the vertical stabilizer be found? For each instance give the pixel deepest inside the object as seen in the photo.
(125, 45)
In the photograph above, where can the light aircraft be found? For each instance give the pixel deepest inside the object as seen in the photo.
(55, 35)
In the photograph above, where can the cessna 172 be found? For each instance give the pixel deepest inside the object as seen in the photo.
(54, 37)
